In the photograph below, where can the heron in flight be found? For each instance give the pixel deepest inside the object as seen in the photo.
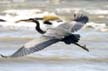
(64, 33)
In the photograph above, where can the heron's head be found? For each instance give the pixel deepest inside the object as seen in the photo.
(81, 18)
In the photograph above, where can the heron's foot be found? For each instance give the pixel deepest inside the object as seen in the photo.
(73, 38)
(83, 47)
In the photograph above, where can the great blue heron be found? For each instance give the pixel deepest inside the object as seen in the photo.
(63, 32)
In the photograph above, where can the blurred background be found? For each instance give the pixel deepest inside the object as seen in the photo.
(59, 57)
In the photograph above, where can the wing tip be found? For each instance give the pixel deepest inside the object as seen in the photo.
(3, 56)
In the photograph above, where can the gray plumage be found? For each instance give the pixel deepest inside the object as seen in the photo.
(52, 36)
(33, 46)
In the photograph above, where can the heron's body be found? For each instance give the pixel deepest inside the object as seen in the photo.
(63, 32)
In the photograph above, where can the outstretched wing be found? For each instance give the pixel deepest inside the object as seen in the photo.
(33, 46)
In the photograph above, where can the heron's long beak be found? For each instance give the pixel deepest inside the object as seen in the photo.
(39, 18)
(27, 20)
(83, 47)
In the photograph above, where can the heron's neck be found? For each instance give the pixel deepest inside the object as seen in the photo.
(38, 27)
